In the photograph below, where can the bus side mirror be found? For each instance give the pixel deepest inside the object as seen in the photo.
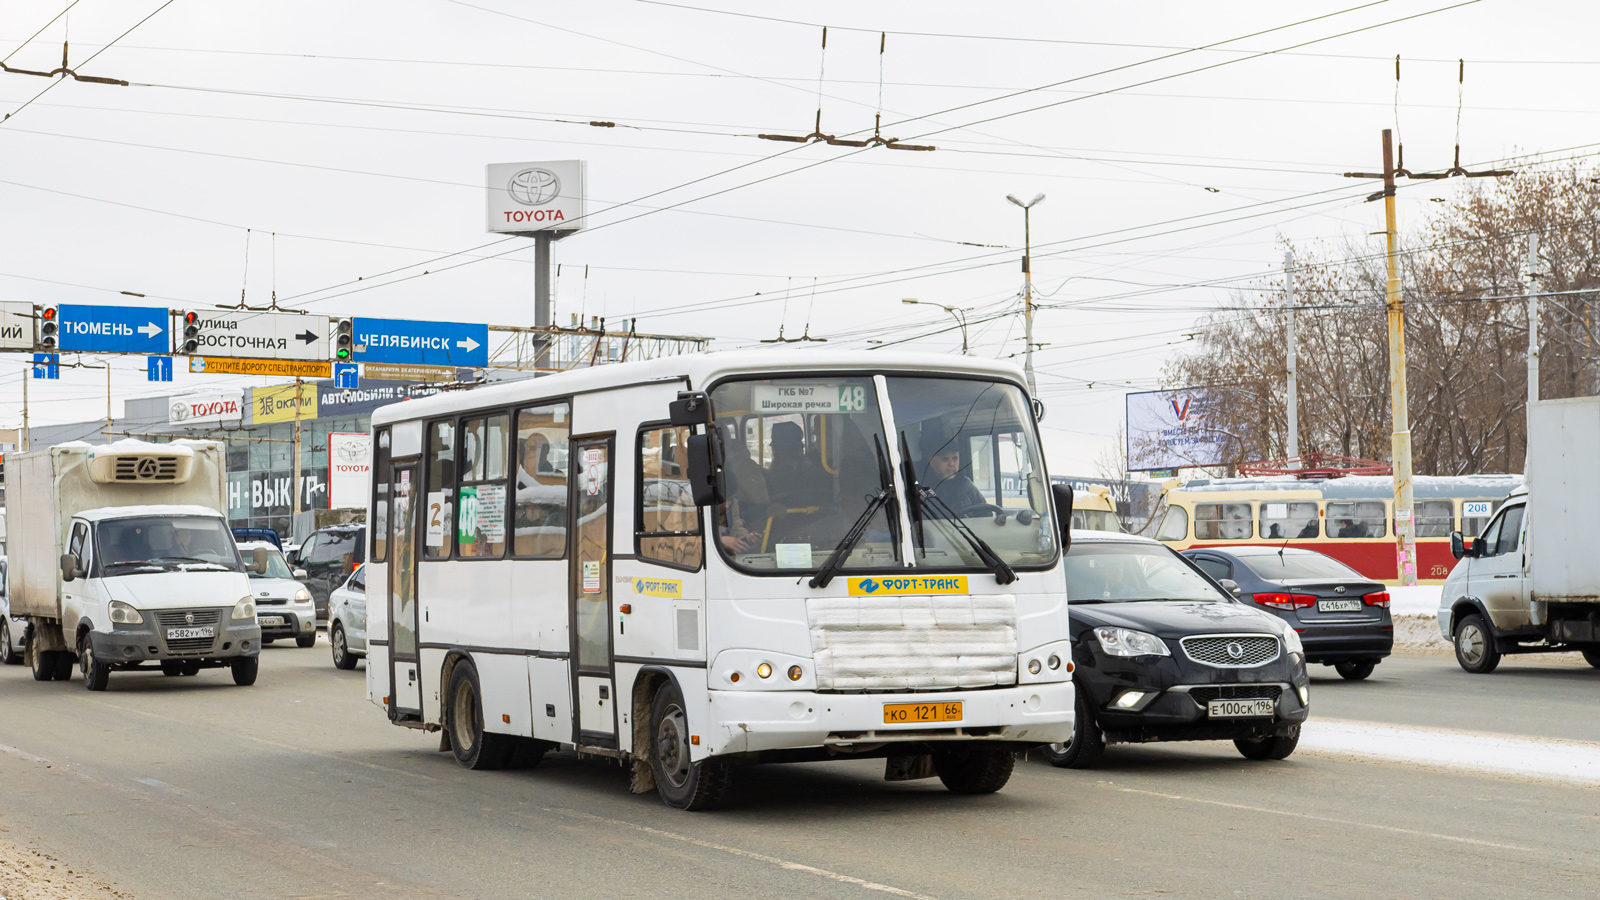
(259, 561)
(707, 482)
(1458, 545)
(69, 567)
(690, 409)
(1063, 497)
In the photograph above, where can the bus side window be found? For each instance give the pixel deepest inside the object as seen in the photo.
(1435, 518)
(439, 512)
(380, 497)
(1296, 520)
(481, 499)
(668, 529)
(1357, 519)
(1175, 527)
(540, 479)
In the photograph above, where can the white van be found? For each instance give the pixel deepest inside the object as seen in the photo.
(108, 577)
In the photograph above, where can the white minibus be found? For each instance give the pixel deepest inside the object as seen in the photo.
(689, 563)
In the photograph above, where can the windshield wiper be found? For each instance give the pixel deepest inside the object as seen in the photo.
(192, 560)
(137, 564)
(882, 498)
(1003, 574)
(924, 498)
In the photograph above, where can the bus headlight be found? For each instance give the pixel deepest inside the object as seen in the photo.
(764, 670)
(244, 609)
(123, 614)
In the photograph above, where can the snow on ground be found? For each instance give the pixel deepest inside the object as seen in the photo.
(1501, 754)
(1418, 599)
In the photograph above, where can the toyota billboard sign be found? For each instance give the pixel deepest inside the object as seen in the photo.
(538, 196)
(349, 469)
(1168, 430)
(206, 409)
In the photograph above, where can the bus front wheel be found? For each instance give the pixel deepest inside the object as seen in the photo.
(473, 747)
(681, 782)
(974, 770)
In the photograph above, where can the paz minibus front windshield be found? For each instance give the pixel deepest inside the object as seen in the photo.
(807, 456)
(165, 540)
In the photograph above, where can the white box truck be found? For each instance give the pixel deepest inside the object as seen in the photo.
(1530, 583)
(120, 555)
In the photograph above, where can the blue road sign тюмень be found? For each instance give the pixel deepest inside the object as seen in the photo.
(421, 343)
(345, 376)
(158, 368)
(114, 329)
(47, 365)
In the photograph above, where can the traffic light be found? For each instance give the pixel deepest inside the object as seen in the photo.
(49, 328)
(191, 332)
(343, 338)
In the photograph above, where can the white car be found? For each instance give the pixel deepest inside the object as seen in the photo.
(347, 620)
(11, 633)
(283, 604)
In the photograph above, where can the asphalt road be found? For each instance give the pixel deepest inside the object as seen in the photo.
(193, 788)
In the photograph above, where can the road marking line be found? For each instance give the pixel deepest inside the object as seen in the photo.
(748, 854)
(1547, 758)
(1332, 821)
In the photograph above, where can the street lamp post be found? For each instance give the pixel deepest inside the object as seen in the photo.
(960, 314)
(1027, 288)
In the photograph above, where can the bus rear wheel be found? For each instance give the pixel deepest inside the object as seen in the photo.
(473, 747)
(974, 770)
(681, 782)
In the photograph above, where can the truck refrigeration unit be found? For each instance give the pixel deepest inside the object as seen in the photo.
(120, 555)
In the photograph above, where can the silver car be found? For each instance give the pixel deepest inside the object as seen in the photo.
(347, 620)
(11, 631)
(283, 604)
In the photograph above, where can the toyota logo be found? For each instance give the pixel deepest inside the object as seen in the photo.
(1235, 650)
(353, 452)
(534, 187)
(147, 468)
(180, 411)
(188, 618)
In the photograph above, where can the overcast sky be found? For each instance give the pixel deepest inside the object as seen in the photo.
(358, 132)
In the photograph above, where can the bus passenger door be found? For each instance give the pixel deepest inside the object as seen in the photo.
(405, 685)
(590, 609)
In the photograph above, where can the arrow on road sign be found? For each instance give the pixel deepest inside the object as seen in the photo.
(308, 336)
(150, 330)
(468, 345)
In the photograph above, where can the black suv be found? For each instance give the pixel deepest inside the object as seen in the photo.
(329, 556)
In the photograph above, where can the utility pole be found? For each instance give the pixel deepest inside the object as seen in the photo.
(27, 376)
(1532, 271)
(1293, 442)
(1405, 524)
(1027, 289)
(108, 398)
(294, 516)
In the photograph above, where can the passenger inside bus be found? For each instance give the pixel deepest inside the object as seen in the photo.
(1349, 528)
(794, 479)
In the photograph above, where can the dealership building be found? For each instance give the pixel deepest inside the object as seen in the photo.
(257, 425)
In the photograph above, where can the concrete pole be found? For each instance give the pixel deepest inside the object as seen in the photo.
(27, 376)
(1532, 271)
(541, 300)
(1405, 526)
(1027, 303)
(108, 399)
(294, 515)
(1293, 442)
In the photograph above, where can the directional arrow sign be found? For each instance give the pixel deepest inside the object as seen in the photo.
(262, 335)
(115, 329)
(420, 343)
(16, 325)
